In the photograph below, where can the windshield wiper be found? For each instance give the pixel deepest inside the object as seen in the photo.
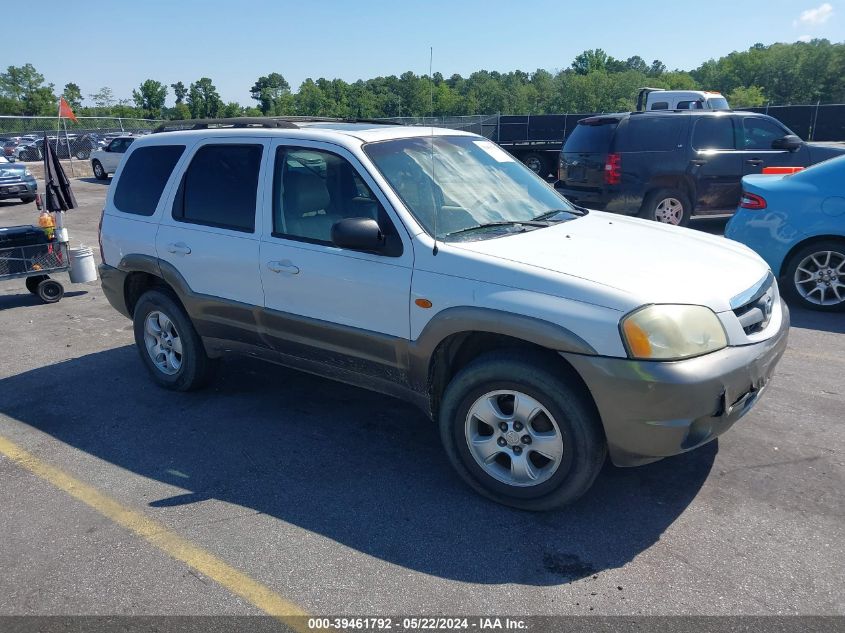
(535, 223)
(549, 214)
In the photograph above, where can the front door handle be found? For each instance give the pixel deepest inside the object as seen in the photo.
(284, 266)
(179, 248)
(754, 161)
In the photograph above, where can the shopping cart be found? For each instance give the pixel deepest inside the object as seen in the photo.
(33, 262)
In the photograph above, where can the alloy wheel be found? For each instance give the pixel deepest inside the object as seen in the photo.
(820, 278)
(163, 343)
(514, 438)
(669, 211)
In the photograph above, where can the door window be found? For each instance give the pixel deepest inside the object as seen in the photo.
(220, 186)
(759, 133)
(313, 189)
(660, 105)
(713, 132)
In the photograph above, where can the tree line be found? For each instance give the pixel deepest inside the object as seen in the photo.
(802, 72)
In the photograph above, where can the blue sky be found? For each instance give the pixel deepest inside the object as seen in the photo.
(122, 43)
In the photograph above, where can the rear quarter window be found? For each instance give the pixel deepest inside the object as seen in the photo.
(649, 134)
(591, 136)
(144, 175)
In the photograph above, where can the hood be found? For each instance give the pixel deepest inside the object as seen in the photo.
(12, 170)
(651, 262)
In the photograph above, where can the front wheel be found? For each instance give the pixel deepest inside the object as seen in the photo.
(99, 172)
(169, 346)
(668, 206)
(815, 276)
(519, 434)
(534, 162)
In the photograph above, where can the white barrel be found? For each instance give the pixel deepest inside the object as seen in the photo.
(82, 268)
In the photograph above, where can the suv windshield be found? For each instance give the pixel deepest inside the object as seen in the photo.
(473, 187)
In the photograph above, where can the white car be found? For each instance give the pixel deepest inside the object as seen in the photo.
(105, 161)
(430, 265)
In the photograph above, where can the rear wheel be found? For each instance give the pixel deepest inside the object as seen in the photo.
(99, 172)
(27, 199)
(534, 162)
(815, 276)
(519, 434)
(668, 206)
(32, 283)
(169, 346)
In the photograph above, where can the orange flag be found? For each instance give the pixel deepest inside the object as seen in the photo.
(65, 111)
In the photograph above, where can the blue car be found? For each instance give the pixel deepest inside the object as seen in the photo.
(797, 224)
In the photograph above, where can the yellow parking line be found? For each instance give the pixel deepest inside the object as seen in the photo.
(164, 539)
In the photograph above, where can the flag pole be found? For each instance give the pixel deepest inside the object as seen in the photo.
(69, 153)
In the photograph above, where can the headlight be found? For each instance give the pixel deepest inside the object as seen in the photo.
(27, 173)
(671, 332)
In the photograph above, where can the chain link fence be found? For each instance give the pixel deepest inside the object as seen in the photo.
(23, 137)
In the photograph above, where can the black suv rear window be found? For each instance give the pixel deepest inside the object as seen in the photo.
(591, 135)
(649, 134)
(143, 178)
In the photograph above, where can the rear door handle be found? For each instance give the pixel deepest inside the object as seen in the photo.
(179, 248)
(754, 161)
(284, 266)
(698, 163)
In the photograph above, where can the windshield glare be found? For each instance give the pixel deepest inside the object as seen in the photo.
(465, 181)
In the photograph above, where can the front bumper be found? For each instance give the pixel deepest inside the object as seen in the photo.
(17, 189)
(655, 409)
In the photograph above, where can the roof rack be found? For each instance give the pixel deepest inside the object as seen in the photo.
(262, 122)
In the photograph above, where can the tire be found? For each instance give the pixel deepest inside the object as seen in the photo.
(565, 411)
(535, 163)
(32, 283)
(668, 206)
(50, 291)
(824, 263)
(82, 154)
(99, 172)
(182, 364)
(27, 199)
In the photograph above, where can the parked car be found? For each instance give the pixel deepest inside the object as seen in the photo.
(666, 166)
(797, 224)
(661, 99)
(104, 161)
(16, 181)
(29, 151)
(433, 266)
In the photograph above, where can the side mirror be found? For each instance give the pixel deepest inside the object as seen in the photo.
(360, 234)
(789, 142)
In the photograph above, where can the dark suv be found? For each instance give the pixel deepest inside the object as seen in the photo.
(666, 166)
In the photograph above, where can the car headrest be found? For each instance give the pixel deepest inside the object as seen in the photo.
(304, 193)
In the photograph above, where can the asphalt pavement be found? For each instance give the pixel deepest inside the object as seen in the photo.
(120, 498)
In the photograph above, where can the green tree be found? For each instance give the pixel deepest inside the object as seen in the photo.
(180, 91)
(273, 94)
(203, 99)
(25, 85)
(309, 99)
(591, 61)
(750, 97)
(150, 98)
(104, 98)
(73, 95)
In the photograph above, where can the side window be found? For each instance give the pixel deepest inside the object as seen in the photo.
(689, 105)
(759, 133)
(713, 132)
(219, 187)
(313, 189)
(660, 105)
(648, 134)
(144, 176)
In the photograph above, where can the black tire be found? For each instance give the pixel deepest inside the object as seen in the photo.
(50, 291)
(27, 199)
(196, 367)
(32, 283)
(790, 287)
(584, 445)
(99, 172)
(535, 163)
(654, 199)
(83, 154)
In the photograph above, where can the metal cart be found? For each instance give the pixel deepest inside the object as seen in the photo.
(33, 263)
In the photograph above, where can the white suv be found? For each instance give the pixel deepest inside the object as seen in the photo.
(431, 265)
(105, 161)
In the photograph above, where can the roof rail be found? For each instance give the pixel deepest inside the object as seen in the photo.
(287, 122)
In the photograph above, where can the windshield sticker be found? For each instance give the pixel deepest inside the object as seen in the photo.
(495, 151)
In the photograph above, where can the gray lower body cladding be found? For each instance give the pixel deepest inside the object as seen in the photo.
(653, 409)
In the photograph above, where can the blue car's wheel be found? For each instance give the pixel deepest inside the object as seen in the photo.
(815, 276)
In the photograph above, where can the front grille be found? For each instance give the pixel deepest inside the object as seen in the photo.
(754, 307)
